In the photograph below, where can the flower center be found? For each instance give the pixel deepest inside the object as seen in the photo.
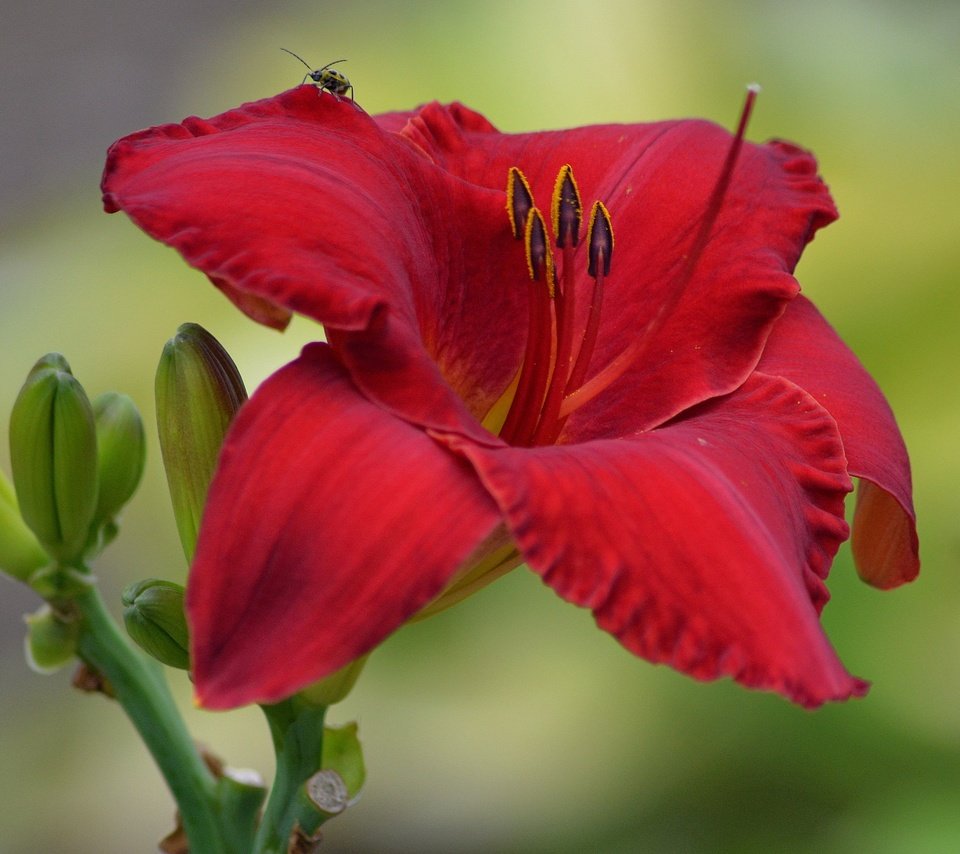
(563, 316)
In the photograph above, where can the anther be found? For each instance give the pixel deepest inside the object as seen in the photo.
(600, 231)
(566, 210)
(539, 256)
(519, 201)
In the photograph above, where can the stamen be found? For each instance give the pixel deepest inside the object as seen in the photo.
(574, 355)
(519, 201)
(600, 232)
(537, 362)
(566, 210)
(555, 359)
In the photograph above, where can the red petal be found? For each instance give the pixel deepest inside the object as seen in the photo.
(328, 524)
(237, 197)
(805, 349)
(701, 544)
(307, 205)
(656, 180)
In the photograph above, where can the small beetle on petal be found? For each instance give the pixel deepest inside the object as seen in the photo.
(327, 78)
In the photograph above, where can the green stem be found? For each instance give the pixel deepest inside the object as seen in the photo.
(297, 732)
(141, 689)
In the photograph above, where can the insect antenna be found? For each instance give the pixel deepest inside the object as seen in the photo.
(325, 67)
(310, 70)
(298, 57)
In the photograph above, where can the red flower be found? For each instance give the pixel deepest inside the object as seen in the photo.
(687, 485)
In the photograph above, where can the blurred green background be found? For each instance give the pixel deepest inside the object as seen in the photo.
(510, 723)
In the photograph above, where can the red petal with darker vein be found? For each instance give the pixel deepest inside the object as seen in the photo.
(805, 349)
(323, 533)
(702, 544)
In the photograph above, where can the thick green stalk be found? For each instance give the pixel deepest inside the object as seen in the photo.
(297, 732)
(141, 689)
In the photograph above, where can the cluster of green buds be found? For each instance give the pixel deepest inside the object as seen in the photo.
(75, 465)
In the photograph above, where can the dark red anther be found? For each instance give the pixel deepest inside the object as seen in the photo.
(601, 239)
(519, 201)
(566, 210)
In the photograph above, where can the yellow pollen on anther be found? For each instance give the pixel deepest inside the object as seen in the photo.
(518, 206)
(539, 256)
(601, 209)
(565, 200)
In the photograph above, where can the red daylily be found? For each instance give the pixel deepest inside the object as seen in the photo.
(687, 484)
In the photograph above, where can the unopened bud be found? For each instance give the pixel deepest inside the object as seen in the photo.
(153, 615)
(121, 451)
(53, 449)
(20, 553)
(51, 640)
(199, 390)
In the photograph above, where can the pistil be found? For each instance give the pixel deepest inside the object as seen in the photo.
(584, 393)
(600, 254)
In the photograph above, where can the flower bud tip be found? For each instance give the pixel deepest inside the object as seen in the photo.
(153, 615)
(121, 452)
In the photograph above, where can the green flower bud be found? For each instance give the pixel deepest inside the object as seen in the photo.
(51, 640)
(53, 449)
(121, 452)
(20, 553)
(199, 390)
(153, 615)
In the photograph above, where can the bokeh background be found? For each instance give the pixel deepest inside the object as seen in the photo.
(510, 723)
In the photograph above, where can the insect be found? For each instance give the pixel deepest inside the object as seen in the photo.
(327, 78)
